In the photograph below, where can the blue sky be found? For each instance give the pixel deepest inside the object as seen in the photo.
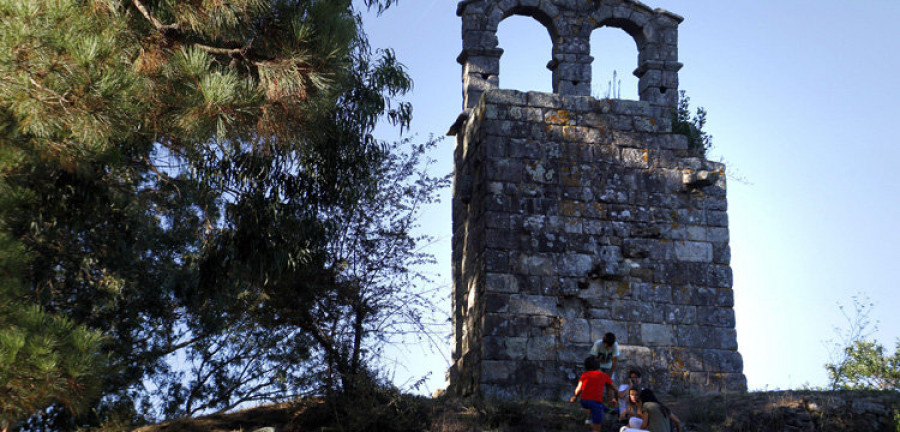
(803, 108)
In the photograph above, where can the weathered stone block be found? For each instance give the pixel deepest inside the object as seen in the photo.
(575, 330)
(682, 274)
(542, 348)
(717, 218)
(576, 353)
(599, 327)
(715, 316)
(725, 297)
(719, 276)
(656, 335)
(501, 283)
(524, 304)
(516, 348)
(691, 251)
(504, 170)
(532, 264)
(575, 265)
(655, 293)
(599, 313)
(539, 171)
(544, 100)
(722, 361)
(498, 324)
(727, 338)
(721, 254)
(494, 348)
(501, 239)
(497, 371)
(695, 337)
(496, 303)
(682, 315)
(636, 355)
(496, 260)
(636, 158)
(694, 295)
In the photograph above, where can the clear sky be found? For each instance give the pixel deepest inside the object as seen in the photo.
(803, 103)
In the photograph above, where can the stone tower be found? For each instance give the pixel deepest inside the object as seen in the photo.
(574, 216)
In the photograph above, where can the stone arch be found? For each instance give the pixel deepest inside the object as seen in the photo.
(481, 55)
(604, 19)
(527, 48)
(570, 24)
(544, 18)
(655, 33)
(549, 19)
(615, 57)
(630, 27)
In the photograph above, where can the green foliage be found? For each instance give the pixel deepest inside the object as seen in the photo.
(45, 359)
(176, 175)
(858, 362)
(699, 141)
(866, 366)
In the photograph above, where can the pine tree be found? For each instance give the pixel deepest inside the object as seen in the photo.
(169, 167)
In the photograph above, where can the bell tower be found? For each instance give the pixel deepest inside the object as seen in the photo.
(575, 216)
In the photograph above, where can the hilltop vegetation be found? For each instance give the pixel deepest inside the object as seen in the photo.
(844, 411)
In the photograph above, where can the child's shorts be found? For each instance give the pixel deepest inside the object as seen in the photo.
(597, 410)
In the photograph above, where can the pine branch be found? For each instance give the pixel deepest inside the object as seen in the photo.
(166, 30)
(174, 32)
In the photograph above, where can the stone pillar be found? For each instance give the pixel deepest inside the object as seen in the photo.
(481, 71)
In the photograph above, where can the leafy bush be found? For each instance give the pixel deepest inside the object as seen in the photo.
(858, 362)
(699, 142)
(866, 366)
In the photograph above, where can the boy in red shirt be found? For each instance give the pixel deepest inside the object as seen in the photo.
(591, 387)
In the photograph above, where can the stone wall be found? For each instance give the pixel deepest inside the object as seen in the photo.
(574, 216)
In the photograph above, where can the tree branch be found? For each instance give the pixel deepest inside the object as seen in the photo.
(166, 30)
(173, 31)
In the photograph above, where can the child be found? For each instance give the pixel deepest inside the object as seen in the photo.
(607, 351)
(634, 382)
(633, 404)
(591, 387)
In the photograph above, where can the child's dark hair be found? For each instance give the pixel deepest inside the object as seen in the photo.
(591, 363)
(648, 396)
(609, 338)
(634, 372)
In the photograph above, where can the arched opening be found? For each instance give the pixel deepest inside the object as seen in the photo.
(615, 56)
(527, 48)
